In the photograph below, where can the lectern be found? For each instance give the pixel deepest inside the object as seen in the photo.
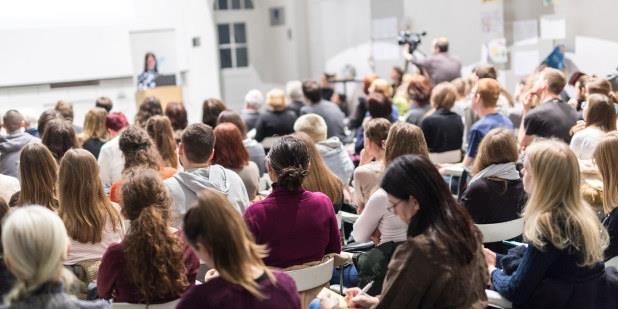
(165, 94)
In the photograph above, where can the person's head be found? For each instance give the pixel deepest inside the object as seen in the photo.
(602, 86)
(254, 100)
(65, 109)
(95, 124)
(84, 207)
(294, 90)
(497, 147)
(404, 138)
(381, 86)
(150, 62)
(12, 121)
(150, 107)
(229, 149)
(59, 136)
(276, 100)
(177, 114)
(38, 172)
(486, 94)
(35, 244)
(440, 45)
(160, 130)
(211, 108)
(486, 71)
(146, 203)
(579, 80)
(379, 105)
(234, 118)
(443, 96)
(420, 197)
(419, 89)
(287, 162)
(313, 125)
(462, 87)
(104, 103)
(196, 145)
(600, 112)
(549, 82)
(311, 91)
(367, 81)
(46, 117)
(138, 149)
(4, 209)
(375, 133)
(605, 156)
(220, 237)
(396, 75)
(556, 213)
(115, 123)
(320, 178)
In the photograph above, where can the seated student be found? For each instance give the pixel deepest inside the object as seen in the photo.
(419, 91)
(443, 129)
(331, 113)
(231, 154)
(150, 107)
(104, 103)
(12, 144)
(152, 264)
(379, 105)
(562, 263)
(606, 155)
(255, 149)
(195, 152)
(66, 111)
(95, 132)
(319, 177)
(211, 108)
(599, 118)
(331, 150)
(371, 166)
(59, 136)
(35, 244)
(177, 115)
(298, 226)
(160, 130)
(111, 161)
(92, 222)
(39, 173)
(553, 117)
(138, 150)
(485, 97)
(277, 120)
(238, 277)
(294, 91)
(7, 280)
(440, 265)
(251, 110)
(495, 193)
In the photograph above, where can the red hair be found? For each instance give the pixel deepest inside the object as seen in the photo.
(229, 149)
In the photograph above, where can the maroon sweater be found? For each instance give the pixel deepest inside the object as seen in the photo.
(113, 280)
(218, 293)
(298, 226)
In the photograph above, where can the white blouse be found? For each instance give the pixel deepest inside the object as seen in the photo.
(377, 216)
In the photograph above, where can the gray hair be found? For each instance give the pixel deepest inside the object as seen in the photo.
(254, 99)
(294, 90)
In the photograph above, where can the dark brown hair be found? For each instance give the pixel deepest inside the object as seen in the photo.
(379, 105)
(150, 107)
(498, 146)
(289, 159)
(177, 114)
(38, 172)
(59, 136)
(601, 112)
(160, 130)
(233, 117)
(211, 109)
(229, 149)
(419, 89)
(376, 130)
(45, 118)
(311, 90)
(138, 149)
(198, 141)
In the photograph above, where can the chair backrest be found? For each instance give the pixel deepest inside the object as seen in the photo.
(169, 305)
(496, 300)
(613, 262)
(452, 156)
(312, 276)
(501, 231)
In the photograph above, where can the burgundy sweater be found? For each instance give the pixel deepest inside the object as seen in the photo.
(113, 280)
(298, 226)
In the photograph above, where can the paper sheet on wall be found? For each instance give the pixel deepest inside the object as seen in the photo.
(384, 28)
(553, 28)
(492, 22)
(525, 32)
(524, 62)
(497, 51)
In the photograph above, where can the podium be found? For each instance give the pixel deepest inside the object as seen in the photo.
(165, 94)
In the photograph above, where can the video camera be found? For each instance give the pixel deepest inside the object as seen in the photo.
(412, 39)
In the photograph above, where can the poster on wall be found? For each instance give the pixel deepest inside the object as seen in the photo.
(497, 52)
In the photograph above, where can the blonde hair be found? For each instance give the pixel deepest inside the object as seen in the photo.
(276, 99)
(312, 125)
(94, 125)
(443, 95)
(404, 138)
(556, 212)
(489, 91)
(35, 244)
(498, 146)
(84, 207)
(381, 86)
(606, 155)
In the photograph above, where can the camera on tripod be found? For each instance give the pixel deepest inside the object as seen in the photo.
(412, 39)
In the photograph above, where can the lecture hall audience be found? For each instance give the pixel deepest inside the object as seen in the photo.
(13, 142)
(277, 120)
(95, 133)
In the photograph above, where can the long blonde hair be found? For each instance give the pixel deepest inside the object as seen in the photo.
(38, 173)
(606, 155)
(555, 212)
(94, 125)
(84, 207)
(214, 224)
(35, 245)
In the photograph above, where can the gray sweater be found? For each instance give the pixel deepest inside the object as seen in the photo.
(10, 150)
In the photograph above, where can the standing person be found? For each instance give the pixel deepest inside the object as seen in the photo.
(443, 128)
(111, 160)
(12, 144)
(606, 155)
(562, 264)
(440, 264)
(251, 111)
(278, 120)
(95, 132)
(599, 118)
(298, 226)
(147, 78)
(173, 266)
(160, 130)
(238, 276)
(39, 173)
(35, 245)
(328, 110)
(59, 137)
(256, 150)
(440, 65)
(553, 117)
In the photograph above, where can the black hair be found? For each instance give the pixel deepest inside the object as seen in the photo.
(312, 91)
(289, 159)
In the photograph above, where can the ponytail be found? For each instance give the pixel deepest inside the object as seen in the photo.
(291, 178)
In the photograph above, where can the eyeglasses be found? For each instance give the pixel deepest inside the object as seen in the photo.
(393, 206)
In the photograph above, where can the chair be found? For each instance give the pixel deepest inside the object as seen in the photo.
(613, 262)
(169, 305)
(501, 231)
(310, 280)
(452, 156)
(497, 301)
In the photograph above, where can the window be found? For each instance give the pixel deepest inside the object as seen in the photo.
(222, 5)
(233, 51)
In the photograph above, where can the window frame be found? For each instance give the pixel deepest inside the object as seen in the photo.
(233, 45)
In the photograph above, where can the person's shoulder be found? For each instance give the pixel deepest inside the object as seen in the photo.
(198, 294)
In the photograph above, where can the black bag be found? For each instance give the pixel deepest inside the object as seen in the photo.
(373, 264)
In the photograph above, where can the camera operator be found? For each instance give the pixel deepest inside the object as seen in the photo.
(440, 66)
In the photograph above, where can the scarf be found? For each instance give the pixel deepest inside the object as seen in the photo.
(504, 171)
